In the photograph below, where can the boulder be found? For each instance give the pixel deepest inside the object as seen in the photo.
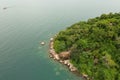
(51, 39)
(64, 55)
(42, 43)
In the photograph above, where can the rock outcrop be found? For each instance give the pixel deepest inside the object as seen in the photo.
(62, 57)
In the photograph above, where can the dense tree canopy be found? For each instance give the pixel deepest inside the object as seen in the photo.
(94, 46)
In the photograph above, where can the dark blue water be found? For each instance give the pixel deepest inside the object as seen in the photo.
(25, 23)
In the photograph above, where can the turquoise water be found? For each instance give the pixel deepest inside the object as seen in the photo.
(25, 23)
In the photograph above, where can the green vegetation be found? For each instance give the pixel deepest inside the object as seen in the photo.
(94, 46)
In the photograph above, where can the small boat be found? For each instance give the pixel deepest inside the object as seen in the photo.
(5, 8)
(42, 43)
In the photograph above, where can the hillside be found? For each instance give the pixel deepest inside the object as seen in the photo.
(94, 46)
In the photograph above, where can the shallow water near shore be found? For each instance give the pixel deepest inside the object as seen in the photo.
(26, 23)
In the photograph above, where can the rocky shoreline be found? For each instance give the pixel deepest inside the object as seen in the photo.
(56, 56)
(66, 62)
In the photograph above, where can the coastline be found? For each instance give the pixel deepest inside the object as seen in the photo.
(56, 57)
